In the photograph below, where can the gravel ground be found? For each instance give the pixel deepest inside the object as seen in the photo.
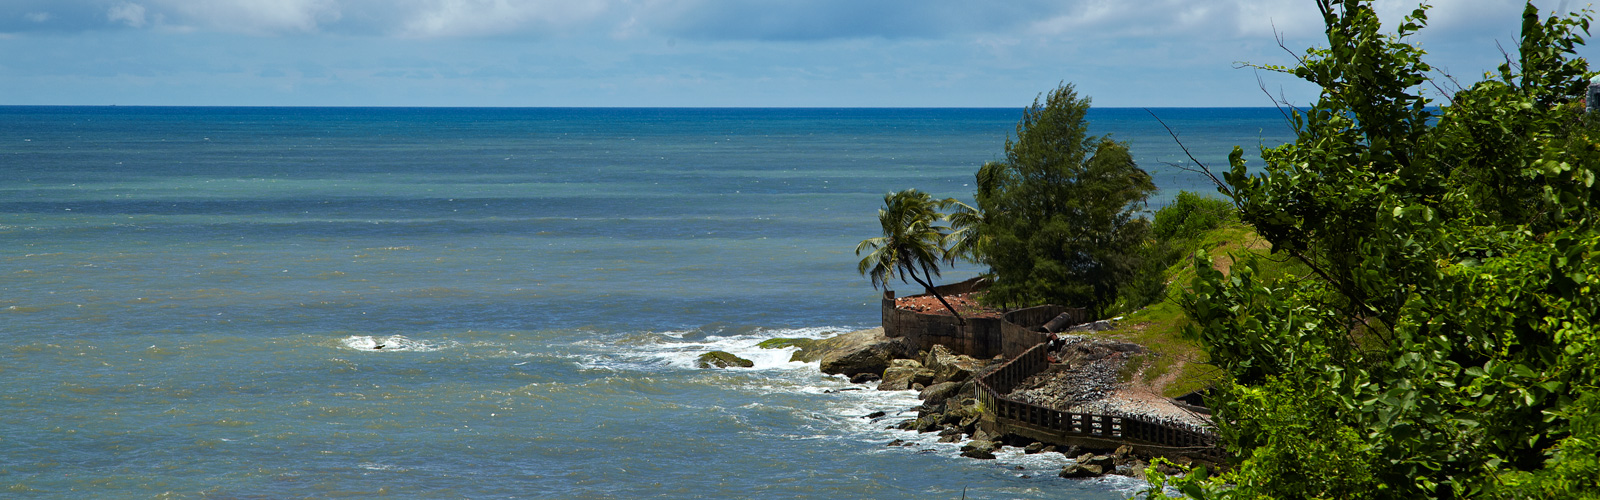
(1085, 381)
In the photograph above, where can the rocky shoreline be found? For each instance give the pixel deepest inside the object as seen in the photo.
(946, 383)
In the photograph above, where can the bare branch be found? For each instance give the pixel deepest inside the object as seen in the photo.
(1221, 186)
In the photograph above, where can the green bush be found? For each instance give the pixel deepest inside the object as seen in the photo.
(1190, 214)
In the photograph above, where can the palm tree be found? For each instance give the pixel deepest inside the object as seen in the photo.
(912, 241)
(965, 235)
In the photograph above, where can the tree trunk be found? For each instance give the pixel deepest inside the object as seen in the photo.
(936, 295)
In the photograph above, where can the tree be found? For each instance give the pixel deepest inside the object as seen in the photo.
(912, 241)
(1444, 342)
(1058, 215)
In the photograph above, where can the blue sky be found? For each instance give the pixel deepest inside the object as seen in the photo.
(920, 53)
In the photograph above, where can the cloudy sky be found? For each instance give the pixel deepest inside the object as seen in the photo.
(687, 52)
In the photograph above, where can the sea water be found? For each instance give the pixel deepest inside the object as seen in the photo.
(191, 299)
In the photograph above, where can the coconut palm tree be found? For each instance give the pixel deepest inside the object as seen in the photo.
(912, 242)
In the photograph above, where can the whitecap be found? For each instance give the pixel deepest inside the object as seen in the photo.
(386, 344)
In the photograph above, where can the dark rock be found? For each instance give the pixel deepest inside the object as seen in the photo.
(722, 359)
(876, 414)
(1124, 455)
(1033, 448)
(862, 378)
(863, 351)
(953, 438)
(896, 442)
(1048, 449)
(1104, 462)
(980, 444)
(918, 387)
(929, 423)
(1169, 470)
(1081, 471)
(906, 425)
(979, 454)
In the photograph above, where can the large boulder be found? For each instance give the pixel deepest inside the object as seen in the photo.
(937, 393)
(723, 359)
(980, 449)
(1082, 470)
(948, 366)
(902, 374)
(863, 351)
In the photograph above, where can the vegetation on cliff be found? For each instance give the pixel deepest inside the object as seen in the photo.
(1442, 341)
(1059, 220)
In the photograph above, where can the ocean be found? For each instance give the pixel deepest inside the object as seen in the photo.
(190, 297)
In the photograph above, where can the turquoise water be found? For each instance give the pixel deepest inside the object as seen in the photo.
(189, 298)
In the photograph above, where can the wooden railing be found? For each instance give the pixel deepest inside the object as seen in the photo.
(993, 386)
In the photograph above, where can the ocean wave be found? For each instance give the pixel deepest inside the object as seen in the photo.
(392, 343)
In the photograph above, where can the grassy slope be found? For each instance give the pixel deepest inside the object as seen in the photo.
(1176, 365)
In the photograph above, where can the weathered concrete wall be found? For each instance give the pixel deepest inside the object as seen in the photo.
(1023, 328)
(1013, 333)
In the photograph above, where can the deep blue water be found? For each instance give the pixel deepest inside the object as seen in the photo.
(189, 297)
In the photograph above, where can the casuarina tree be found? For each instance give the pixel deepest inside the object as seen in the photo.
(1059, 220)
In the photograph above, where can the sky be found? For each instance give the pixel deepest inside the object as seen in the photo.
(694, 53)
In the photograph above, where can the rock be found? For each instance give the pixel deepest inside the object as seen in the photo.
(979, 454)
(781, 343)
(862, 378)
(950, 367)
(938, 393)
(896, 442)
(1048, 449)
(1080, 471)
(876, 414)
(722, 359)
(1123, 455)
(953, 438)
(1105, 462)
(906, 425)
(929, 423)
(863, 351)
(902, 373)
(1032, 448)
(981, 446)
(982, 435)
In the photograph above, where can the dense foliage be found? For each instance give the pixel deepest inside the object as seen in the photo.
(1443, 343)
(1059, 217)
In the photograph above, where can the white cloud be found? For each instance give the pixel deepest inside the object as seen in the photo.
(255, 16)
(128, 13)
(466, 18)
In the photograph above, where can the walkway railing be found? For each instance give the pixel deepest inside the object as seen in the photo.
(993, 386)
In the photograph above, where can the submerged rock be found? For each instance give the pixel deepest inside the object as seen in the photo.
(722, 359)
(782, 342)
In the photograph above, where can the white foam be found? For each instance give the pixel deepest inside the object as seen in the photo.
(677, 350)
(392, 343)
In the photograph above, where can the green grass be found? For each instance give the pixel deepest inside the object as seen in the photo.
(1176, 365)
